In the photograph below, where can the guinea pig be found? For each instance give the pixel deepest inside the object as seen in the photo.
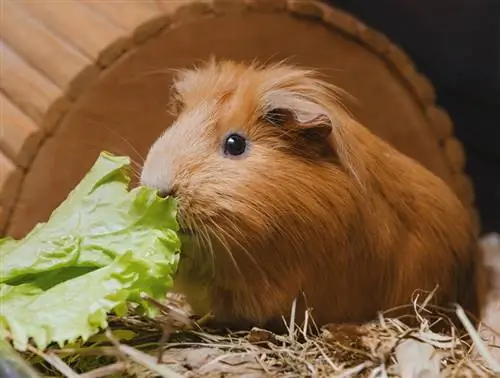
(282, 196)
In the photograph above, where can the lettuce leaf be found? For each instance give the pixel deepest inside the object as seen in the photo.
(101, 248)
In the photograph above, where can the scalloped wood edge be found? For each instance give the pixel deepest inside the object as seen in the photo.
(168, 16)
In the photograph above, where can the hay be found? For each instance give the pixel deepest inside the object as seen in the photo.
(135, 346)
(173, 345)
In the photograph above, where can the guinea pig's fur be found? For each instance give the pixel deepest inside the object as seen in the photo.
(317, 208)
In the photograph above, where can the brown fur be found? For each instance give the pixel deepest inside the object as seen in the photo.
(319, 208)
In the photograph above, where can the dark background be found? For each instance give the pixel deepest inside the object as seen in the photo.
(456, 44)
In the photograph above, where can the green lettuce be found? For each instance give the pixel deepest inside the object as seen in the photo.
(99, 250)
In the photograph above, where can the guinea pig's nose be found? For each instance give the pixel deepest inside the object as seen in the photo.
(167, 192)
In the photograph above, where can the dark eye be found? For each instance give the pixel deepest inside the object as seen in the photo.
(277, 117)
(235, 145)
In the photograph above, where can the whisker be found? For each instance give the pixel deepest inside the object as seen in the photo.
(75, 154)
(210, 247)
(225, 246)
(136, 168)
(166, 72)
(116, 133)
(201, 238)
(193, 224)
(245, 250)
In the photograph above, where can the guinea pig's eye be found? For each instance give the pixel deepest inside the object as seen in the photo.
(277, 116)
(235, 145)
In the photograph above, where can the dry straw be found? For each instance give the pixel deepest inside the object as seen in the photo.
(133, 347)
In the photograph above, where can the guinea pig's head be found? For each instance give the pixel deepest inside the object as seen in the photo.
(252, 155)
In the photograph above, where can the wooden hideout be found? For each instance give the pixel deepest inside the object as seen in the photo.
(81, 76)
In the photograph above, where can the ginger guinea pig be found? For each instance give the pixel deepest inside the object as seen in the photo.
(284, 196)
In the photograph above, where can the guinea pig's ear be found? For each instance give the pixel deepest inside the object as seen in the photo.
(314, 125)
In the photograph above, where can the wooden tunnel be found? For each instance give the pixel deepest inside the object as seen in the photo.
(81, 76)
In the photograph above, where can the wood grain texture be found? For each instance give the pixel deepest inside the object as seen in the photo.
(440, 122)
(341, 21)
(4, 217)
(267, 5)
(228, 7)
(464, 188)
(10, 179)
(90, 32)
(19, 135)
(141, 19)
(56, 58)
(30, 90)
(398, 57)
(306, 9)
(187, 10)
(455, 153)
(126, 14)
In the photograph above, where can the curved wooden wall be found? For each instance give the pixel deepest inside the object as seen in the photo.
(53, 50)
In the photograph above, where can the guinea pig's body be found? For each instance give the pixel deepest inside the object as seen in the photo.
(284, 196)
